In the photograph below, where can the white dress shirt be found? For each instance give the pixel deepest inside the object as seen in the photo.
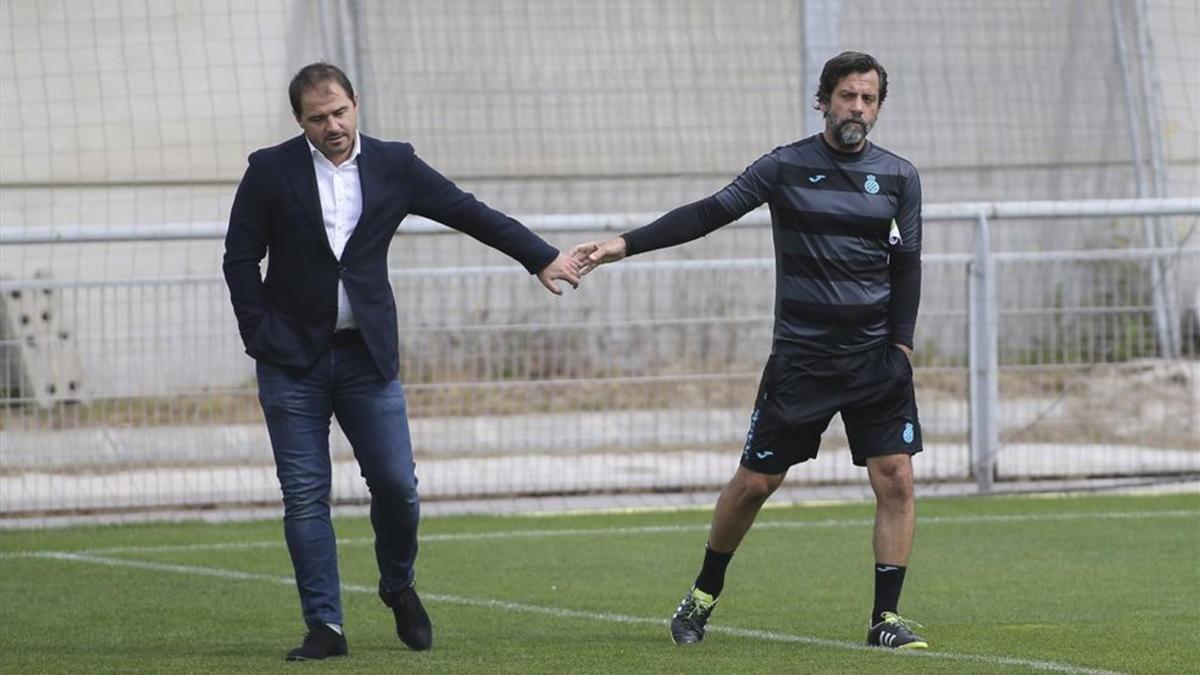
(341, 206)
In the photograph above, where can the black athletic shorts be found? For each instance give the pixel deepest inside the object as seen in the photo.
(798, 396)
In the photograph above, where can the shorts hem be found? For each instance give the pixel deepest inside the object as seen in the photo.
(861, 460)
(766, 472)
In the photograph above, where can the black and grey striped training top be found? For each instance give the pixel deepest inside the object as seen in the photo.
(847, 280)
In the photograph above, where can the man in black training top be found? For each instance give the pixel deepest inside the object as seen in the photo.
(846, 217)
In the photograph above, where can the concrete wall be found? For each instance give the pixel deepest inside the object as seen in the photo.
(130, 113)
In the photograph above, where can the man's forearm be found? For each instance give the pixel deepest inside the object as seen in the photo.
(906, 296)
(443, 201)
(245, 292)
(678, 226)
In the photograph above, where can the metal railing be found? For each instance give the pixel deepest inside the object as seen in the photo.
(640, 382)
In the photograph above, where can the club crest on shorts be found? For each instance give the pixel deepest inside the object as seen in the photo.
(871, 186)
(908, 432)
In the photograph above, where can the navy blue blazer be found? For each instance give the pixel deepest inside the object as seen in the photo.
(287, 319)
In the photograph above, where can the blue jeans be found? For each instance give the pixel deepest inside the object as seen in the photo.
(372, 412)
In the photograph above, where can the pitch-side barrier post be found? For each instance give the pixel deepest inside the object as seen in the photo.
(983, 355)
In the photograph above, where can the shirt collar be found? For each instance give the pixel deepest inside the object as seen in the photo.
(841, 154)
(318, 156)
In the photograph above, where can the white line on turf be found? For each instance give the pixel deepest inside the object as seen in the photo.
(562, 612)
(656, 529)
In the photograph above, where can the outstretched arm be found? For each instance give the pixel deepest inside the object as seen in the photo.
(688, 222)
(438, 198)
(678, 226)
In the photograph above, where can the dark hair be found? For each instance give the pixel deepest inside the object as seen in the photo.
(312, 75)
(842, 65)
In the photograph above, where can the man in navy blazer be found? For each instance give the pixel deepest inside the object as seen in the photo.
(322, 328)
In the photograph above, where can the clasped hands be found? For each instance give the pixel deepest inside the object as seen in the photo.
(582, 259)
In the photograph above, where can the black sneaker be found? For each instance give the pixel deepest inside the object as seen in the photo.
(687, 626)
(412, 622)
(321, 642)
(895, 632)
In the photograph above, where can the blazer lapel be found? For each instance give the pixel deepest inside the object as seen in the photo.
(302, 178)
(370, 179)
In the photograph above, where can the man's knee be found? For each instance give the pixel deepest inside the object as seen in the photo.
(394, 480)
(305, 503)
(394, 486)
(752, 487)
(893, 476)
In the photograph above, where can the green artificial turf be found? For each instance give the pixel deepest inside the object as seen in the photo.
(1014, 584)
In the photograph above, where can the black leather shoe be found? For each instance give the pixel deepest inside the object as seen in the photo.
(321, 642)
(412, 623)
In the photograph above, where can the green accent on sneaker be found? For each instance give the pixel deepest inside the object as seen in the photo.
(896, 619)
(703, 600)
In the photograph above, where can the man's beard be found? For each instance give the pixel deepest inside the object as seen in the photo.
(849, 132)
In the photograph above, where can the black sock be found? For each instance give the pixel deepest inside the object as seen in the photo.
(712, 575)
(889, 579)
